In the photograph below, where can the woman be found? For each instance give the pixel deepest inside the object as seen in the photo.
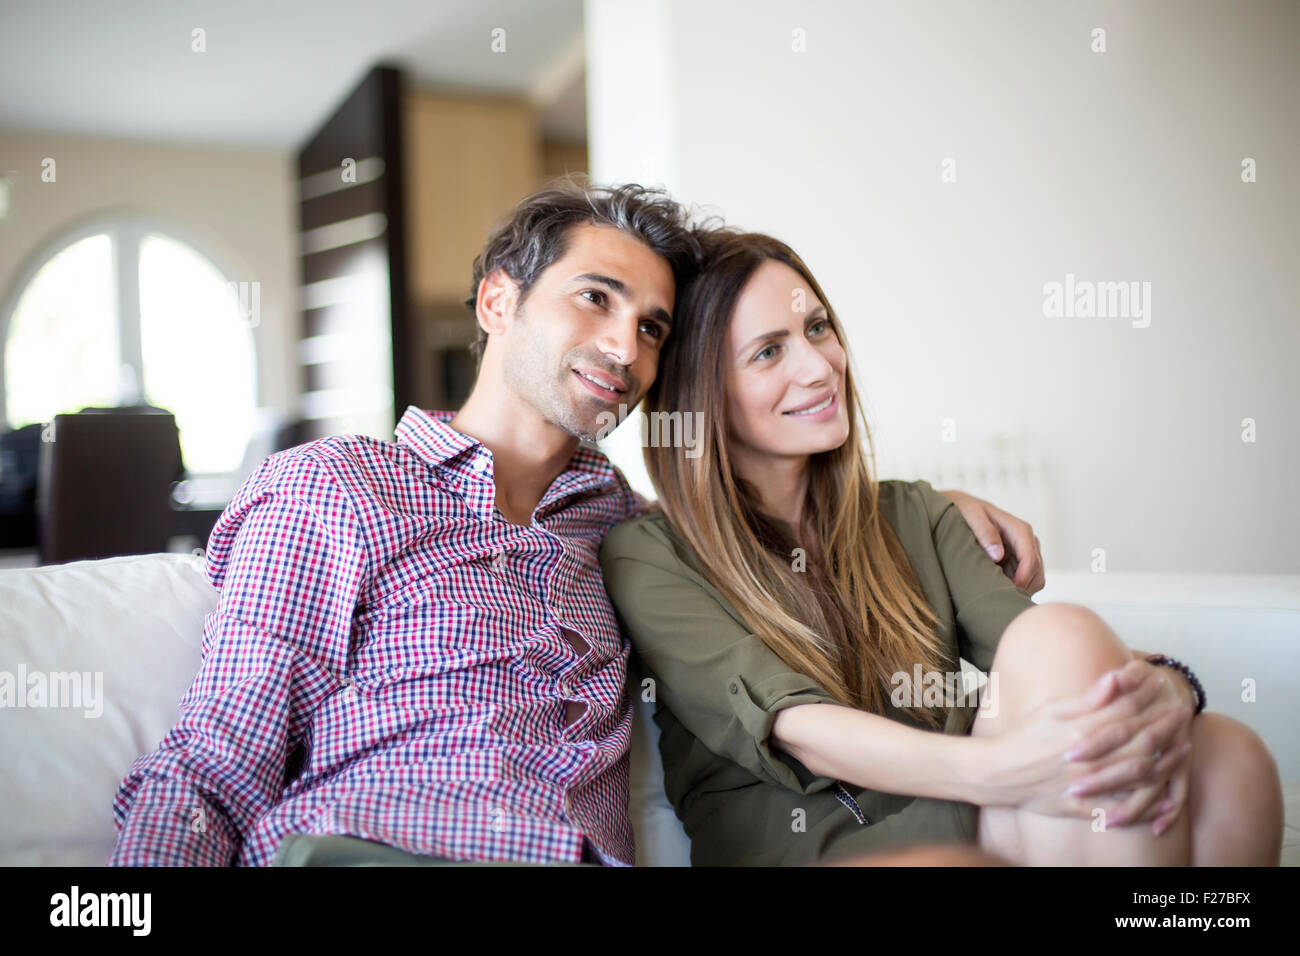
(800, 623)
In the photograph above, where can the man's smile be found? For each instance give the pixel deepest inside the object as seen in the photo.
(601, 383)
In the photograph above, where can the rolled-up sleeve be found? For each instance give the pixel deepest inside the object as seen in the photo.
(721, 682)
(289, 559)
(984, 599)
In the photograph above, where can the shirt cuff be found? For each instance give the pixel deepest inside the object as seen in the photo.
(756, 708)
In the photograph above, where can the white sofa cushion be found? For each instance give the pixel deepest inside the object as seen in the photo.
(138, 622)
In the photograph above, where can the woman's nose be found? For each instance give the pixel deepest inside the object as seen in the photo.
(811, 366)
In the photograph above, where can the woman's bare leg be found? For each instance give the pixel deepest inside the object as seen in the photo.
(1234, 805)
(1235, 796)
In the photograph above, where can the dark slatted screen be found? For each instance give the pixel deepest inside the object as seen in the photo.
(354, 284)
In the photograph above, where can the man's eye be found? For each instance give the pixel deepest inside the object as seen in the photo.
(655, 329)
(599, 296)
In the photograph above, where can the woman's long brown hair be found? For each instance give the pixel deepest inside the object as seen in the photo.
(850, 621)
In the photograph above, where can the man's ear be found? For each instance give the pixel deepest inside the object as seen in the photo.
(497, 297)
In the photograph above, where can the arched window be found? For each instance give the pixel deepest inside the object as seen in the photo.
(121, 313)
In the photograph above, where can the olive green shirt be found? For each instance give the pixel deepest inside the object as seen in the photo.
(718, 689)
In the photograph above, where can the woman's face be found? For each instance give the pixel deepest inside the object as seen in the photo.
(785, 369)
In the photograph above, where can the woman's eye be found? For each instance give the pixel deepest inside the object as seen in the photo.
(764, 351)
(820, 325)
(599, 296)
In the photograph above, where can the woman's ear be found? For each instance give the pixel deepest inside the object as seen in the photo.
(497, 296)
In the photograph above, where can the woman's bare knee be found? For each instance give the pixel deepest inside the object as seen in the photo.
(1235, 797)
(1052, 650)
(1048, 631)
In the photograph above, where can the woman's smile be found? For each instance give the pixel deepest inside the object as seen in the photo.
(820, 411)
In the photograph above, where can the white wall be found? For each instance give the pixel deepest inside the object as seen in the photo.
(236, 206)
(1116, 166)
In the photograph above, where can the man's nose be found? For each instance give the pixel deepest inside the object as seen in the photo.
(618, 340)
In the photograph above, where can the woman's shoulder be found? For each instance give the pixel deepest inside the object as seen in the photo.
(647, 537)
(636, 532)
(911, 506)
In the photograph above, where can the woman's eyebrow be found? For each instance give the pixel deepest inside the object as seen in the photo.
(775, 334)
(783, 333)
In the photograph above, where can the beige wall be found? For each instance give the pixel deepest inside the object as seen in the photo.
(468, 160)
(559, 158)
(236, 206)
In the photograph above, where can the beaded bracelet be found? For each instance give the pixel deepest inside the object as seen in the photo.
(1186, 672)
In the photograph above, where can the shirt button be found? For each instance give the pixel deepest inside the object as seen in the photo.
(498, 560)
(480, 465)
(734, 689)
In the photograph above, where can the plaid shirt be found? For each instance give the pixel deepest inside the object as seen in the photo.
(390, 659)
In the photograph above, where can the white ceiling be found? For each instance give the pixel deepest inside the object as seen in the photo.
(274, 69)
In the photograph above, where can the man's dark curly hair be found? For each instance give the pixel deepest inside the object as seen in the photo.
(536, 232)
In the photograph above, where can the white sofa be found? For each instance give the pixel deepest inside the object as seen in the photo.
(138, 622)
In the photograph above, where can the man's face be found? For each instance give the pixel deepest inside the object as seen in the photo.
(586, 339)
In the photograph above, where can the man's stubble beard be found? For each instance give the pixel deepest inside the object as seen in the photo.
(544, 385)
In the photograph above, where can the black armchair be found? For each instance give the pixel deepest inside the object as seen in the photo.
(105, 483)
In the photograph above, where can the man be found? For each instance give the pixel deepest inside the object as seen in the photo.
(413, 646)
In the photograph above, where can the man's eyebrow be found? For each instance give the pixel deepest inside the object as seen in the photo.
(615, 285)
(817, 313)
(618, 287)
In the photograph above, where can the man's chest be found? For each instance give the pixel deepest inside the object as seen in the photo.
(456, 592)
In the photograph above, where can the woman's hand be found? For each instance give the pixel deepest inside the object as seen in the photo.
(1162, 792)
(1164, 812)
(1114, 728)
(1177, 789)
